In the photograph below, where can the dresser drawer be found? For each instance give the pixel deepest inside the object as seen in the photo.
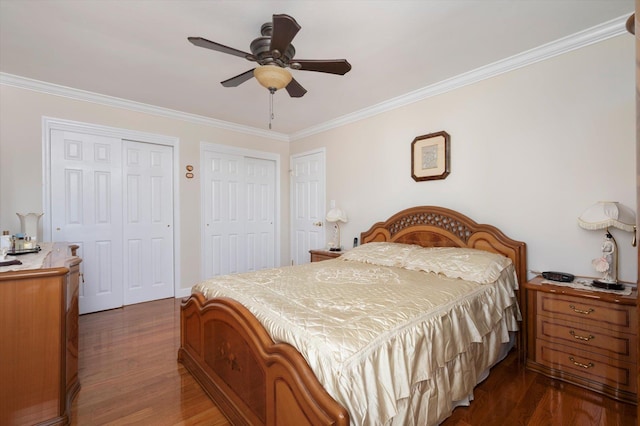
(586, 311)
(587, 367)
(588, 337)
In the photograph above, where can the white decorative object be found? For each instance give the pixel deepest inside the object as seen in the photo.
(5, 240)
(603, 215)
(336, 215)
(29, 224)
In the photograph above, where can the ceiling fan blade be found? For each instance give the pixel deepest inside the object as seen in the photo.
(331, 66)
(208, 44)
(285, 29)
(295, 90)
(238, 79)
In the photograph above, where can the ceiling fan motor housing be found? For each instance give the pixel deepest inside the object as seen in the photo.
(261, 49)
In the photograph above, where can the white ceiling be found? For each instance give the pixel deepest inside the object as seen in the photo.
(138, 50)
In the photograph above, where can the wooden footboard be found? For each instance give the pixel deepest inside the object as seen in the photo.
(253, 380)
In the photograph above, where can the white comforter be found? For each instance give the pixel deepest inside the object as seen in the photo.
(375, 335)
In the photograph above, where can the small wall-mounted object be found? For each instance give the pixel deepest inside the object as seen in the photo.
(189, 173)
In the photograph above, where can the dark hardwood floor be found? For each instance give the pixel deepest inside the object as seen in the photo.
(129, 376)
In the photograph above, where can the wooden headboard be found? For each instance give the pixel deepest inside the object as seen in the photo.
(431, 226)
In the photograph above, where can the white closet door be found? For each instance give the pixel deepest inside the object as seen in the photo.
(260, 220)
(238, 195)
(224, 208)
(148, 222)
(86, 209)
(308, 205)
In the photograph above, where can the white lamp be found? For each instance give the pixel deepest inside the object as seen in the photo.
(603, 215)
(336, 215)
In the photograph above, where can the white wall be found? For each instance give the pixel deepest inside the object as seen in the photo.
(530, 151)
(21, 185)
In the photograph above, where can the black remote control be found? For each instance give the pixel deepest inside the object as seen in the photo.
(562, 277)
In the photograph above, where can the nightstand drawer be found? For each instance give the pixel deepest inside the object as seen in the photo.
(587, 366)
(587, 311)
(587, 337)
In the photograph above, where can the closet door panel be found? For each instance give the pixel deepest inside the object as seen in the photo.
(148, 224)
(86, 209)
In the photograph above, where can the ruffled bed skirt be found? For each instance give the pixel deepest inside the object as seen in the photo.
(431, 402)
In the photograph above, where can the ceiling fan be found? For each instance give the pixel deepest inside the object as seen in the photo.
(274, 53)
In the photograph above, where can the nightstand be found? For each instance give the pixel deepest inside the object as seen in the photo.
(320, 255)
(587, 338)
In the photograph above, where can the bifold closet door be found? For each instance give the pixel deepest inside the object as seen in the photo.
(114, 199)
(239, 213)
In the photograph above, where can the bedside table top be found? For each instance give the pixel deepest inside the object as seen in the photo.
(326, 252)
(540, 284)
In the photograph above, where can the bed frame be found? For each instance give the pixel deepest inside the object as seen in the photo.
(255, 381)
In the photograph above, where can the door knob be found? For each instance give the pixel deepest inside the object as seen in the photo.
(317, 224)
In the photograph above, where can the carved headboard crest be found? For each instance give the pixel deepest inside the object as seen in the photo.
(454, 226)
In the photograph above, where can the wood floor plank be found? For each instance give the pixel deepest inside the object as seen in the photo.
(129, 375)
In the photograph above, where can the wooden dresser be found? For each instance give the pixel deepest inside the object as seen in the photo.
(586, 338)
(39, 335)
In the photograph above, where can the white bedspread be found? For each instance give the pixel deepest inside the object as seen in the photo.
(376, 335)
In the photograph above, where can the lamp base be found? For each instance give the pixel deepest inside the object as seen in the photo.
(608, 286)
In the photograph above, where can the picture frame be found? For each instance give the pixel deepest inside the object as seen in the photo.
(431, 156)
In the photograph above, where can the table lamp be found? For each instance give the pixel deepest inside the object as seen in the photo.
(603, 215)
(335, 216)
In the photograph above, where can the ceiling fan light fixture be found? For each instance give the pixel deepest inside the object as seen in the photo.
(272, 76)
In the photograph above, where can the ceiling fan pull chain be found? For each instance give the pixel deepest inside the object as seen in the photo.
(271, 115)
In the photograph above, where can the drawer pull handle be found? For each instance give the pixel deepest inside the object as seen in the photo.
(577, 336)
(579, 364)
(580, 311)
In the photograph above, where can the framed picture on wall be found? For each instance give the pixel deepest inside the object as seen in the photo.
(430, 156)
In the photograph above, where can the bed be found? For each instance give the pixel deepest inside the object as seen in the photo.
(254, 380)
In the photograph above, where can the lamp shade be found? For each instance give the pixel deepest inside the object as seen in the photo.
(606, 214)
(336, 215)
(272, 76)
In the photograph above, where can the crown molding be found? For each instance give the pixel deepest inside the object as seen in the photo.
(604, 31)
(83, 95)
